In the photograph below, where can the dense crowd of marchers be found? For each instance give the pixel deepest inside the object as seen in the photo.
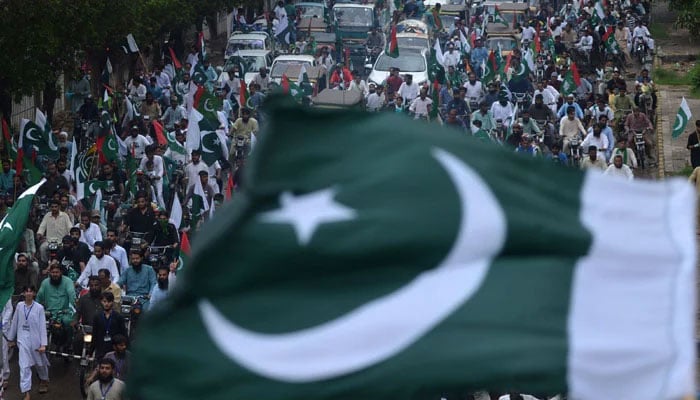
(149, 160)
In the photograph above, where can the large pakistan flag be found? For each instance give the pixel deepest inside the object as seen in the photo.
(376, 257)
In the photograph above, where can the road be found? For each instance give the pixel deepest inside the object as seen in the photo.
(63, 386)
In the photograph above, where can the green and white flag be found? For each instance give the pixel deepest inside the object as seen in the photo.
(213, 146)
(93, 186)
(200, 205)
(37, 136)
(11, 231)
(361, 294)
(174, 145)
(130, 45)
(682, 118)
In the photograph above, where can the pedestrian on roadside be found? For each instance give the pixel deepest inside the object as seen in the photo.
(694, 145)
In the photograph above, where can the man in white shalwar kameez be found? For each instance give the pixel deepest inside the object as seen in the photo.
(29, 331)
(6, 354)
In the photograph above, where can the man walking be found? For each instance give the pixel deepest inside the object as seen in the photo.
(29, 331)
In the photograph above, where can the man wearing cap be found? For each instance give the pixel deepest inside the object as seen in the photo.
(503, 109)
(593, 161)
(570, 103)
(136, 143)
(452, 57)
(478, 56)
(409, 89)
(373, 100)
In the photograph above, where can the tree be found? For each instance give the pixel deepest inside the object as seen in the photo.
(688, 14)
(41, 39)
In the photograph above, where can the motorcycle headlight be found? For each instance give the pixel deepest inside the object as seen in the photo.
(87, 338)
(137, 310)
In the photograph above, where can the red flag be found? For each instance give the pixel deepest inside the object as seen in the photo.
(173, 57)
(185, 244)
(472, 38)
(575, 74)
(158, 128)
(538, 44)
(285, 84)
(18, 162)
(243, 97)
(608, 33)
(229, 187)
(393, 44)
(507, 67)
(200, 41)
(100, 154)
(347, 57)
(6, 132)
(198, 95)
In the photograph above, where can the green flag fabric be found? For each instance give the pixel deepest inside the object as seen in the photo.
(92, 186)
(38, 137)
(682, 118)
(213, 146)
(174, 145)
(364, 295)
(11, 231)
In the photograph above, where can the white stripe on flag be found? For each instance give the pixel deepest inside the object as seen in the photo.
(193, 134)
(132, 43)
(631, 321)
(176, 212)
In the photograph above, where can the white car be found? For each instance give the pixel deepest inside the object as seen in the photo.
(281, 63)
(247, 41)
(414, 63)
(249, 60)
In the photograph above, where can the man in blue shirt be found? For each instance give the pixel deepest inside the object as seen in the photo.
(138, 279)
(570, 103)
(6, 182)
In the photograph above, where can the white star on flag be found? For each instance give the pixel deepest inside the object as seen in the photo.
(307, 211)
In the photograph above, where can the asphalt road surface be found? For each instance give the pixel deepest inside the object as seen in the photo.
(63, 381)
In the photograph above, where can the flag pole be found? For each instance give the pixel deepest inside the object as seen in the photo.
(145, 67)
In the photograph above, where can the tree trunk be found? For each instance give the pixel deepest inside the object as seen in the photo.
(5, 100)
(50, 96)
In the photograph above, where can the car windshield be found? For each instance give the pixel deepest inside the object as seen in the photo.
(506, 43)
(310, 11)
(448, 22)
(406, 63)
(244, 44)
(280, 67)
(353, 16)
(248, 63)
(414, 42)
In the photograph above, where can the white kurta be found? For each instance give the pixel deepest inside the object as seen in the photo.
(29, 330)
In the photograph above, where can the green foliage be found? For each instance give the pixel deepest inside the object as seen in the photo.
(40, 39)
(658, 30)
(688, 14)
(662, 76)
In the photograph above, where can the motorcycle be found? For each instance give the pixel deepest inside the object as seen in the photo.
(473, 103)
(575, 151)
(131, 309)
(156, 256)
(59, 340)
(640, 49)
(640, 147)
(87, 357)
(522, 100)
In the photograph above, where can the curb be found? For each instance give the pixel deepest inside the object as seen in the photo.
(660, 159)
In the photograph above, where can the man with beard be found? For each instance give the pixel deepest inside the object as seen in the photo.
(106, 387)
(89, 233)
(139, 278)
(105, 325)
(166, 279)
(164, 234)
(74, 254)
(98, 261)
(24, 276)
(106, 285)
(89, 304)
(56, 294)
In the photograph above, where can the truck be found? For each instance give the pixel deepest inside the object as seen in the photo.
(353, 22)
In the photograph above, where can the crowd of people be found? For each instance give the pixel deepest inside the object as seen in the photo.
(85, 252)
